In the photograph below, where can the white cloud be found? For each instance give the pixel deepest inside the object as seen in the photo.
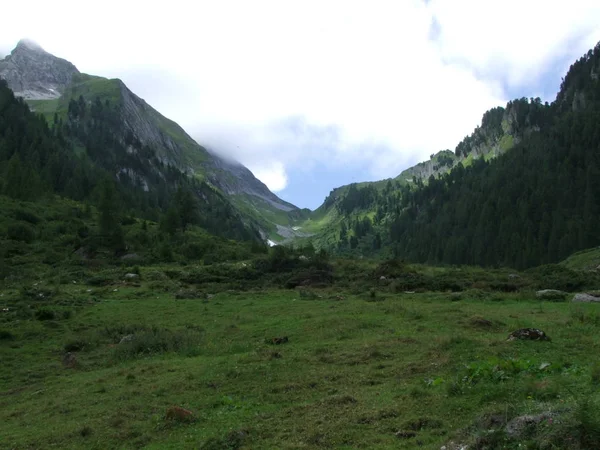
(287, 85)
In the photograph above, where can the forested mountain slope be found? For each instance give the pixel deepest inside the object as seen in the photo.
(146, 144)
(536, 202)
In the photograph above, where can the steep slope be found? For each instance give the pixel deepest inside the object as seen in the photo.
(521, 190)
(51, 85)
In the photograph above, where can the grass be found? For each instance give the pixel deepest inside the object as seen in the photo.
(403, 371)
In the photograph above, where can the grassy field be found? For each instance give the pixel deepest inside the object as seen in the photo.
(361, 368)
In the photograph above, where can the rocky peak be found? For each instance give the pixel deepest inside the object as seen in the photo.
(34, 74)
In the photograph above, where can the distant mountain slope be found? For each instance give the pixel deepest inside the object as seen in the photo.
(520, 191)
(51, 84)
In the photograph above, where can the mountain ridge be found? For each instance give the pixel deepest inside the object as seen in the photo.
(49, 84)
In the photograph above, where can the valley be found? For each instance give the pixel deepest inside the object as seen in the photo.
(155, 295)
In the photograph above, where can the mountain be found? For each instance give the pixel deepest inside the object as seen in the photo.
(520, 190)
(52, 86)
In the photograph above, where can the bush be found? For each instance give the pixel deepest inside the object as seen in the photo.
(26, 216)
(553, 276)
(45, 314)
(21, 232)
(6, 335)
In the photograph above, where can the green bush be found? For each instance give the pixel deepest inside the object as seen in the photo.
(21, 232)
(26, 216)
(553, 276)
(45, 314)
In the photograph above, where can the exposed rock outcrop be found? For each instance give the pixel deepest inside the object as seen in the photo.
(34, 74)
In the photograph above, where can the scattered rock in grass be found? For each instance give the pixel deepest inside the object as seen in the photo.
(127, 338)
(131, 276)
(532, 334)
(551, 294)
(513, 276)
(454, 446)
(277, 340)
(518, 426)
(382, 278)
(69, 360)
(189, 294)
(405, 434)
(586, 298)
(179, 414)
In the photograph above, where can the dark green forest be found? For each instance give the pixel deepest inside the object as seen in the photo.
(89, 157)
(536, 203)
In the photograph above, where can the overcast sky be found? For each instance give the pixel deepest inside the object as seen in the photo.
(314, 94)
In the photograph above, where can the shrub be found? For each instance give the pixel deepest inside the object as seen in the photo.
(26, 216)
(6, 335)
(45, 314)
(20, 232)
(553, 276)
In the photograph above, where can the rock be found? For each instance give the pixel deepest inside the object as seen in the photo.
(179, 414)
(127, 338)
(381, 278)
(513, 276)
(303, 258)
(131, 276)
(69, 360)
(516, 427)
(34, 74)
(586, 298)
(129, 256)
(532, 334)
(551, 294)
(403, 434)
(277, 340)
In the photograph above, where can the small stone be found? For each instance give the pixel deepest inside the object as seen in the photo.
(127, 338)
(402, 434)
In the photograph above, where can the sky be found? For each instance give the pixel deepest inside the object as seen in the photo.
(311, 95)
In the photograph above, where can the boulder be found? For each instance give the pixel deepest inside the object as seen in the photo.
(513, 276)
(179, 414)
(532, 334)
(551, 294)
(586, 298)
(131, 276)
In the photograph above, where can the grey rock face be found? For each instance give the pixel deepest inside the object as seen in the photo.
(34, 74)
